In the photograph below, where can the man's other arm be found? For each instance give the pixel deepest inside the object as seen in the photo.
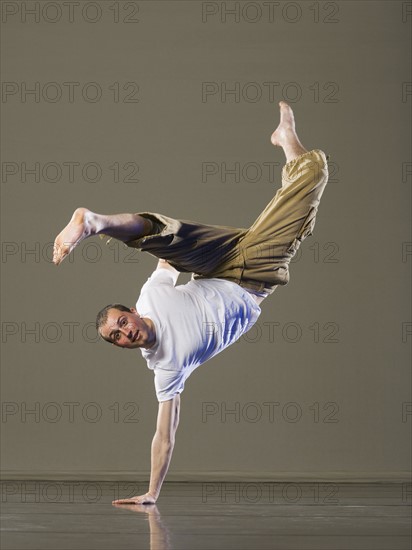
(164, 264)
(162, 450)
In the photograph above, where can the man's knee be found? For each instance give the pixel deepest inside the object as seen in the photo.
(310, 169)
(281, 275)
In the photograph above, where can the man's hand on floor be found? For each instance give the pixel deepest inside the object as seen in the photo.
(142, 499)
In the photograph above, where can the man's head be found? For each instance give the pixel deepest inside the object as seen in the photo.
(123, 327)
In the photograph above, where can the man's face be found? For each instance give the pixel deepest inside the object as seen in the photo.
(127, 330)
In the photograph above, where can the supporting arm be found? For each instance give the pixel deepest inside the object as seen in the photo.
(163, 442)
(162, 450)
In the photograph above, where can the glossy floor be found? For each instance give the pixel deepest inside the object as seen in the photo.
(203, 516)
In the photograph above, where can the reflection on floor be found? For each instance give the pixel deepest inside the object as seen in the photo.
(203, 516)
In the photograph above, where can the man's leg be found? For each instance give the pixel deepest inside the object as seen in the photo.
(85, 223)
(188, 246)
(267, 247)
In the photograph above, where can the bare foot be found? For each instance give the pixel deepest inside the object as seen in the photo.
(286, 129)
(75, 231)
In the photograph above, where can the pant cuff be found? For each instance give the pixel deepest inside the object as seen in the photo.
(313, 152)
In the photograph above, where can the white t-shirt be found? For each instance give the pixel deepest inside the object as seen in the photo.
(193, 323)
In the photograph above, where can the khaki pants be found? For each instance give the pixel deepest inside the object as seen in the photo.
(258, 257)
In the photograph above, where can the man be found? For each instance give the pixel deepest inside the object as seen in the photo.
(178, 328)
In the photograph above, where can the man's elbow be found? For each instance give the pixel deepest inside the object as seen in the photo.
(166, 440)
(166, 437)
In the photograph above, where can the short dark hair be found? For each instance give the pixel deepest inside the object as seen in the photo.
(101, 318)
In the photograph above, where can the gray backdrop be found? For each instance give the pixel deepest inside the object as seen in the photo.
(168, 107)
